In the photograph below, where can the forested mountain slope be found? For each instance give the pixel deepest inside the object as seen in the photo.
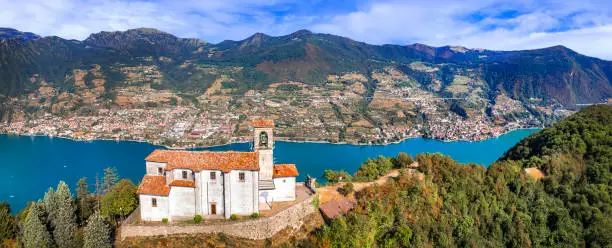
(500, 206)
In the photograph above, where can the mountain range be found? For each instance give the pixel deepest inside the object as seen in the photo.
(555, 74)
(370, 86)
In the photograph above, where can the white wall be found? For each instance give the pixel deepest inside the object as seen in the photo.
(178, 174)
(152, 168)
(150, 213)
(182, 202)
(210, 191)
(243, 194)
(266, 164)
(198, 193)
(284, 189)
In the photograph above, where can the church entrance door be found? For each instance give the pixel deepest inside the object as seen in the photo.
(213, 208)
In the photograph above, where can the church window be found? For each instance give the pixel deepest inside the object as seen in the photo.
(154, 202)
(184, 174)
(213, 175)
(241, 176)
(263, 139)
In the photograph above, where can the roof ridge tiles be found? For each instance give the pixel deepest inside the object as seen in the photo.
(198, 160)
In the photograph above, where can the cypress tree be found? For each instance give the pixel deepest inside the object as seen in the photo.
(97, 232)
(64, 223)
(35, 233)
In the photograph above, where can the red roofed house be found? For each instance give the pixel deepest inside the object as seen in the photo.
(182, 184)
(335, 208)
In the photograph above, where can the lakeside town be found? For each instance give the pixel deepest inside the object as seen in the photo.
(341, 110)
(188, 126)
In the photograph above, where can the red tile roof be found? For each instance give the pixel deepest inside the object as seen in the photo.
(285, 170)
(153, 185)
(205, 160)
(262, 123)
(334, 208)
(183, 183)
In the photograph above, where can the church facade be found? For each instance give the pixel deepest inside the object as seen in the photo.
(181, 184)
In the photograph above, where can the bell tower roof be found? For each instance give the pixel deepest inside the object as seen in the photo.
(263, 123)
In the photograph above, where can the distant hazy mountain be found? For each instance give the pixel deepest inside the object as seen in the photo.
(552, 75)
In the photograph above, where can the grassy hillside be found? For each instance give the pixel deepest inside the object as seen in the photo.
(500, 206)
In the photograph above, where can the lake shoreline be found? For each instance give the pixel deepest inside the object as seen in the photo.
(408, 138)
(281, 139)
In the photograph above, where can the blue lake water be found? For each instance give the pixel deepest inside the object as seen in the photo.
(30, 165)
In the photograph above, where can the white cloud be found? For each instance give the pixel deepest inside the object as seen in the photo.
(593, 41)
(584, 26)
(209, 20)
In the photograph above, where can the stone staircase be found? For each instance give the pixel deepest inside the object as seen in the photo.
(266, 184)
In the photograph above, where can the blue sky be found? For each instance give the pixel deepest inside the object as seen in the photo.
(582, 25)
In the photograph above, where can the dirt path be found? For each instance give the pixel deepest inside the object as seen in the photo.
(332, 192)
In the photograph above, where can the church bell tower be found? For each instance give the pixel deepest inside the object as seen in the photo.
(263, 143)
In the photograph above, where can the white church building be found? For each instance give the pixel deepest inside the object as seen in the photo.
(181, 184)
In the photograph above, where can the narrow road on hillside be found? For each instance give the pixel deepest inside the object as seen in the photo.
(332, 192)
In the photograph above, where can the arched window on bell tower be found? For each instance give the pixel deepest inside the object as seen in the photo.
(263, 139)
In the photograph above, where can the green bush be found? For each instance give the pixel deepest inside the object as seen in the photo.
(254, 215)
(347, 189)
(337, 176)
(315, 202)
(197, 218)
(233, 217)
(120, 201)
(165, 220)
(402, 160)
(374, 168)
(370, 170)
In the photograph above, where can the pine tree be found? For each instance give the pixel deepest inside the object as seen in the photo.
(97, 232)
(64, 223)
(110, 179)
(7, 222)
(50, 203)
(98, 192)
(83, 199)
(35, 233)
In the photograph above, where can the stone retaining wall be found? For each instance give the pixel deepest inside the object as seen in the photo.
(260, 228)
